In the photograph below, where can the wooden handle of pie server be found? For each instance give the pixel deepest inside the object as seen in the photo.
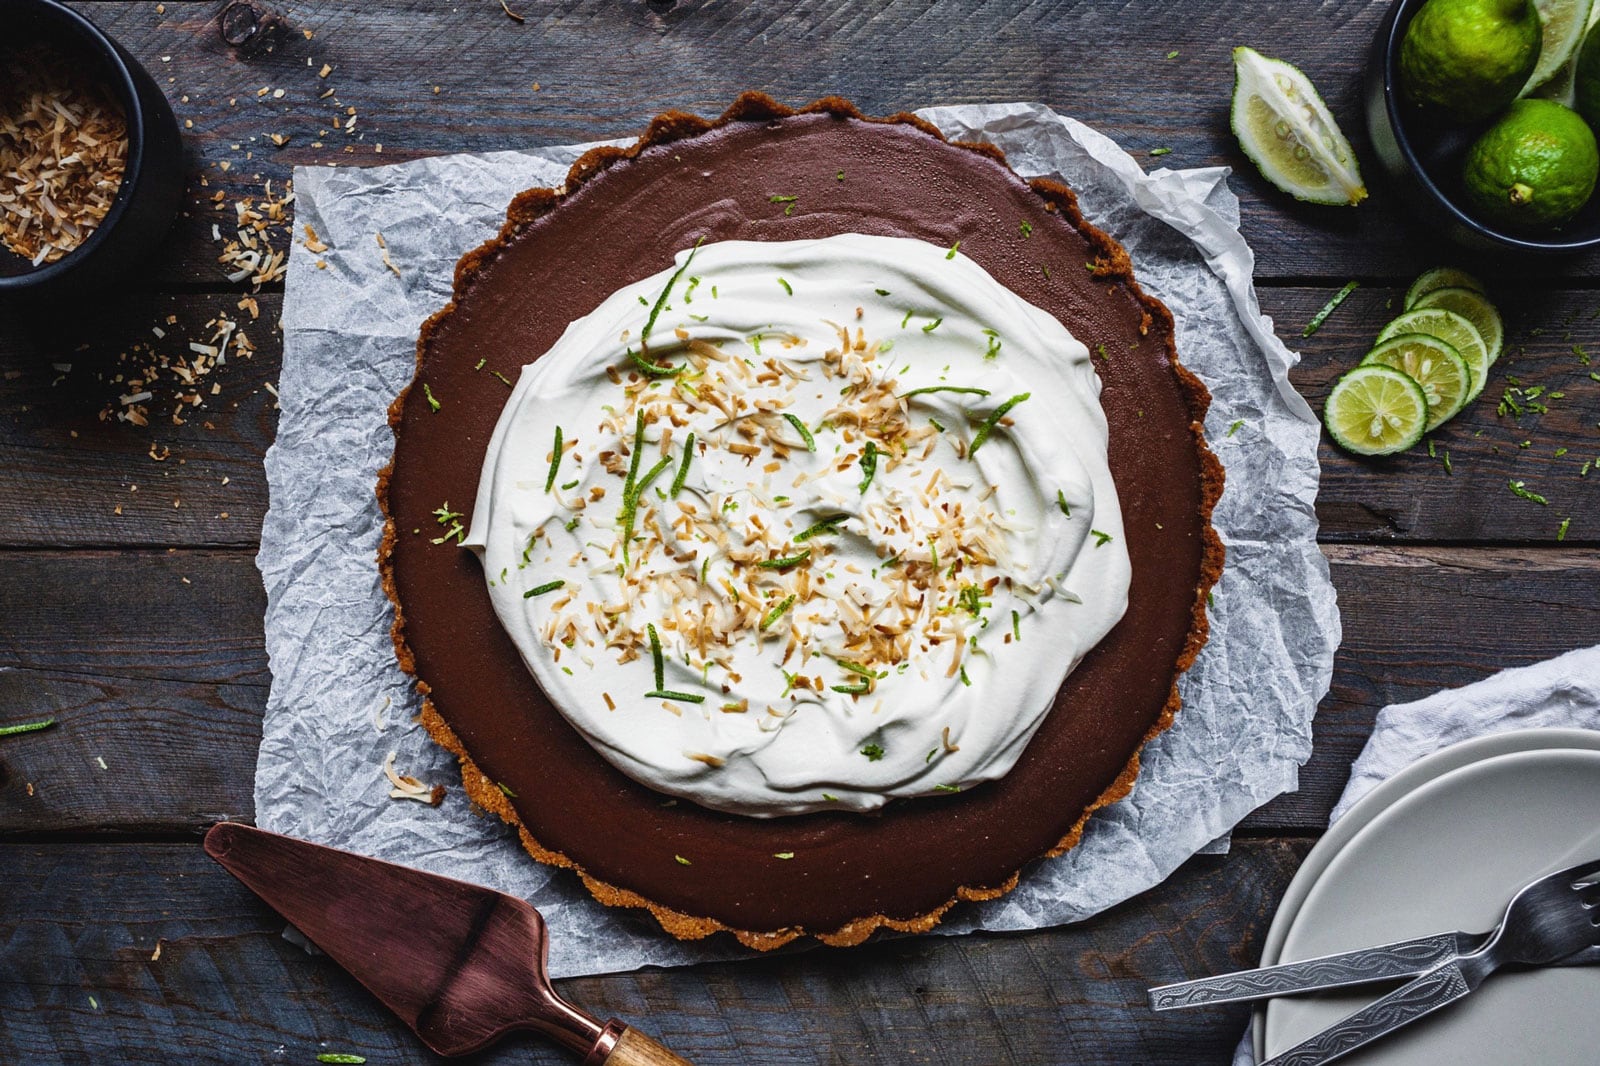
(635, 1049)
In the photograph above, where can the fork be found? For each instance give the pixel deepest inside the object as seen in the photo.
(1547, 921)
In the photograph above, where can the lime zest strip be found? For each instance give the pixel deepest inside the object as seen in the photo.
(1328, 308)
(994, 420)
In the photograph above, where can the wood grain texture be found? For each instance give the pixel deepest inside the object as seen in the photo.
(166, 681)
(1080, 56)
(79, 925)
(635, 1049)
(65, 472)
(1443, 577)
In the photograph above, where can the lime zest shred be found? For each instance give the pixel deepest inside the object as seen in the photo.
(1100, 539)
(869, 465)
(931, 326)
(555, 462)
(672, 694)
(540, 590)
(1561, 530)
(1027, 231)
(1328, 308)
(683, 468)
(993, 420)
(1233, 427)
(630, 499)
(788, 202)
(1520, 490)
(661, 301)
(1016, 626)
(800, 428)
(786, 562)
(786, 287)
(790, 854)
(951, 254)
(873, 752)
(777, 612)
(656, 658)
(968, 389)
(652, 368)
(1061, 502)
(826, 528)
(26, 727)
(681, 861)
(427, 394)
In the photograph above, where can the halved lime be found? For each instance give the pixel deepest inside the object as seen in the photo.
(1375, 410)
(1288, 132)
(1475, 308)
(1433, 364)
(1449, 327)
(1563, 23)
(1441, 278)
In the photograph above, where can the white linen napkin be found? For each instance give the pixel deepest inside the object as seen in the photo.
(1563, 692)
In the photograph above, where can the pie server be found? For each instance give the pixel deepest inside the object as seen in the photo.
(460, 964)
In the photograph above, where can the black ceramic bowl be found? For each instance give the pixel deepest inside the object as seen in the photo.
(152, 183)
(1425, 160)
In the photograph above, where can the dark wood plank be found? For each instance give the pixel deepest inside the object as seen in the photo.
(1552, 343)
(81, 922)
(1105, 64)
(1421, 619)
(166, 680)
(71, 474)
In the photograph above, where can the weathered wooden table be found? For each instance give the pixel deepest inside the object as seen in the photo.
(130, 608)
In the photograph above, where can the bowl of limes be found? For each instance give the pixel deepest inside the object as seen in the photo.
(1485, 111)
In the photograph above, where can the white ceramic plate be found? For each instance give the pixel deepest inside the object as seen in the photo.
(1381, 799)
(1447, 855)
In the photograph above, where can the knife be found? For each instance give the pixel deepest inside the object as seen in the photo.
(460, 964)
(1404, 958)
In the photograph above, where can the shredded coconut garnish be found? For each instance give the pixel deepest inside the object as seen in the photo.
(406, 787)
(727, 576)
(63, 150)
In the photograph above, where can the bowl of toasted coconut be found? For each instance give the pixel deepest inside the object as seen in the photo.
(91, 162)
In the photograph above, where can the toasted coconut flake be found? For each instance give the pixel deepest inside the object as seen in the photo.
(405, 787)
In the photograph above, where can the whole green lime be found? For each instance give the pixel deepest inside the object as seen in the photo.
(1586, 84)
(1464, 60)
(1532, 169)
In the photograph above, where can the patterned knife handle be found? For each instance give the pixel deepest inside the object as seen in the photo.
(1404, 959)
(1421, 997)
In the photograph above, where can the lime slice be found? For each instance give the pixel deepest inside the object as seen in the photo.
(1433, 364)
(1441, 278)
(1563, 23)
(1475, 308)
(1451, 328)
(1562, 87)
(1288, 132)
(1375, 410)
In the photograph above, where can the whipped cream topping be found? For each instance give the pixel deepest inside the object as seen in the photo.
(805, 526)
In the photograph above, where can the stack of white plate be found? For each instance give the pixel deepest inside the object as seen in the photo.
(1442, 846)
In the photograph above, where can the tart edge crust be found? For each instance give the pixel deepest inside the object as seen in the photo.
(1113, 264)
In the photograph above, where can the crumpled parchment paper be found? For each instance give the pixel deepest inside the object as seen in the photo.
(339, 704)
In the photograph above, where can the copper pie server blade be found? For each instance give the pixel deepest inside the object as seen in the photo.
(462, 965)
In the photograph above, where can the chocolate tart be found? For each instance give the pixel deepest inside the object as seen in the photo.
(620, 217)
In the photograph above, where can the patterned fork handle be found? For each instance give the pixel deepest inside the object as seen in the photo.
(1405, 958)
(1419, 998)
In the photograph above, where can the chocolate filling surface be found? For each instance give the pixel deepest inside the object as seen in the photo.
(622, 219)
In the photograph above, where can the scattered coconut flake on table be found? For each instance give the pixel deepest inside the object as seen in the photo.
(350, 333)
